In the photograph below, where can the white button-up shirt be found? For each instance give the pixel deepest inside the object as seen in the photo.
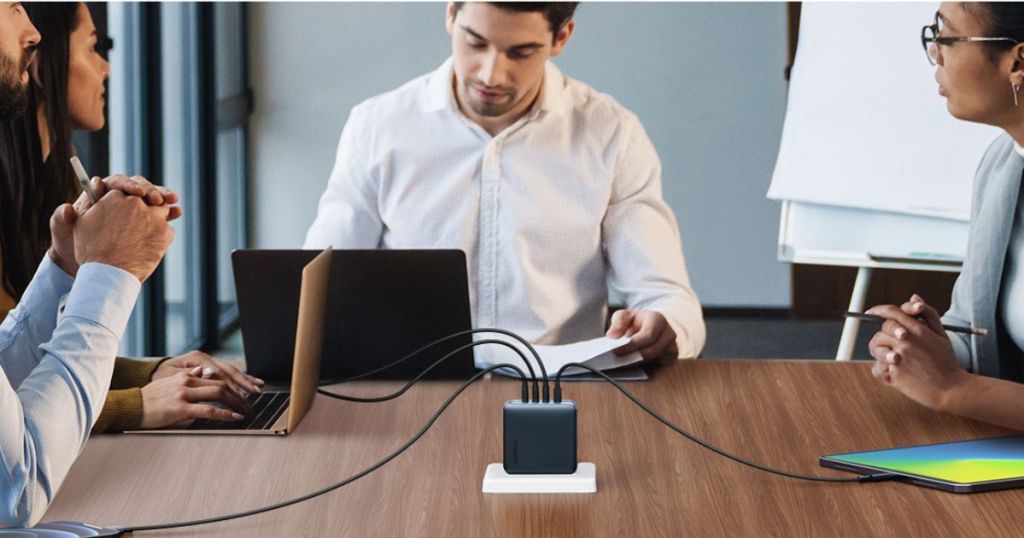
(552, 212)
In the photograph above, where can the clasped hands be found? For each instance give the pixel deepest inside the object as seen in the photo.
(913, 354)
(126, 228)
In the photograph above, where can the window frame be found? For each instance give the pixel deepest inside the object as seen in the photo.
(142, 149)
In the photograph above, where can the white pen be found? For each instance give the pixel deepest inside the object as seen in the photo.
(83, 178)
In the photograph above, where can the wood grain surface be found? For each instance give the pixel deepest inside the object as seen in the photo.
(651, 481)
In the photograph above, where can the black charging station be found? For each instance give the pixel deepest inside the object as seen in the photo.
(540, 438)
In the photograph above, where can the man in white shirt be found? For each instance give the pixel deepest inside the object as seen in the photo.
(552, 189)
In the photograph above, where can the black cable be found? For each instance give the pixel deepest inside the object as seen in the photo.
(444, 406)
(511, 334)
(879, 477)
(413, 381)
(344, 482)
(695, 439)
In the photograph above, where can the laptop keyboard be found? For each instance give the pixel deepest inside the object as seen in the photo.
(267, 408)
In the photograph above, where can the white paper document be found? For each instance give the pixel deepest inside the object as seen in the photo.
(596, 353)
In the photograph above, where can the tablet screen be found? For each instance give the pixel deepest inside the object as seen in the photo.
(963, 462)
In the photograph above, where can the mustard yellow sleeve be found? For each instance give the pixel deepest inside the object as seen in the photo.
(123, 408)
(7, 303)
(130, 373)
(121, 411)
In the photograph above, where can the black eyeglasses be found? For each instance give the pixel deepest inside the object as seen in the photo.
(930, 36)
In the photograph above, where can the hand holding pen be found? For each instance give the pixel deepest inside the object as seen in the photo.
(93, 190)
(64, 219)
(913, 352)
(977, 331)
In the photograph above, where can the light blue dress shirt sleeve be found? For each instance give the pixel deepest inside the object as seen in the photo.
(57, 371)
(33, 321)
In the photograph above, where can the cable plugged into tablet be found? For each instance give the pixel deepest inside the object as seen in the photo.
(540, 438)
(880, 477)
(629, 394)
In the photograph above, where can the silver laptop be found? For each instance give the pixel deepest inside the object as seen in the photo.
(279, 412)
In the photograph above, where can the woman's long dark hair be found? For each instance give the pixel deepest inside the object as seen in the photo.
(30, 189)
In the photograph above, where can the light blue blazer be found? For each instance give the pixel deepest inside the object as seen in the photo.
(975, 302)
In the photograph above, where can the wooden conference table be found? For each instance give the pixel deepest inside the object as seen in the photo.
(651, 481)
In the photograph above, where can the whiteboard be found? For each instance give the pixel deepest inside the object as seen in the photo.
(866, 129)
(846, 236)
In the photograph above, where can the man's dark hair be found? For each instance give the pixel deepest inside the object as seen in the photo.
(556, 13)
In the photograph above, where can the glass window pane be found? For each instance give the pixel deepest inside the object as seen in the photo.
(175, 115)
(230, 220)
(229, 51)
(182, 289)
(123, 111)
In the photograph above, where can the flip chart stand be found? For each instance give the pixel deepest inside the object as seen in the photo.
(865, 264)
(851, 326)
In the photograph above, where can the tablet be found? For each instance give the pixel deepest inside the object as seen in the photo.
(961, 466)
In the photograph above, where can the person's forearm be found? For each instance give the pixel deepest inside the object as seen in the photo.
(996, 401)
(32, 321)
(690, 330)
(693, 331)
(46, 420)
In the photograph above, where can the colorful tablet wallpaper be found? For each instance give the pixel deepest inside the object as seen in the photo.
(962, 462)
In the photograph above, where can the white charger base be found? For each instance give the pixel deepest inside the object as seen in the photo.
(584, 480)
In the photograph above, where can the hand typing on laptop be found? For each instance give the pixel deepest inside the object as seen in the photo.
(183, 397)
(239, 381)
(275, 412)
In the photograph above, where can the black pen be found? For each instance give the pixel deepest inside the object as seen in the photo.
(951, 328)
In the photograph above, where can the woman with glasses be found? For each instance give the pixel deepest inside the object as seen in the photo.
(978, 53)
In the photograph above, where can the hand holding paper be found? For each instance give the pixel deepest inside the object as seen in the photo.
(649, 331)
(596, 353)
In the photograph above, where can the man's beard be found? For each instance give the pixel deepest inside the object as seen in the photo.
(13, 92)
(490, 110)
